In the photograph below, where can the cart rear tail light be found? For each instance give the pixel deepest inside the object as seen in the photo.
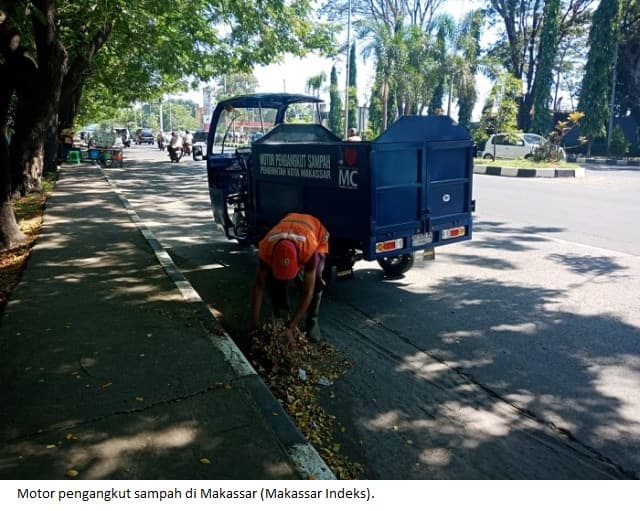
(388, 246)
(454, 232)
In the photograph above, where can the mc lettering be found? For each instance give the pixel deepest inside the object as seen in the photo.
(348, 178)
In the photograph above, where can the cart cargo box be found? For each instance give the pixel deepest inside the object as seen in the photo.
(410, 189)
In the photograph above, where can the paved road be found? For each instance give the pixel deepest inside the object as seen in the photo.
(515, 355)
(599, 210)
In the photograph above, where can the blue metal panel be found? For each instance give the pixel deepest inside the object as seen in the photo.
(449, 175)
(397, 187)
(328, 180)
(409, 184)
(418, 129)
(421, 174)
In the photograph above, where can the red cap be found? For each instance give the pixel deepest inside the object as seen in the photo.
(284, 260)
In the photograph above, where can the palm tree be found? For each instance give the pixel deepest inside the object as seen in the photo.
(385, 46)
(377, 49)
(465, 66)
(314, 84)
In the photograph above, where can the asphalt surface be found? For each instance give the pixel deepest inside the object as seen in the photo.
(113, 368)
(502, 346)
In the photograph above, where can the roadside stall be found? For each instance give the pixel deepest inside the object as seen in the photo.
(107, 148)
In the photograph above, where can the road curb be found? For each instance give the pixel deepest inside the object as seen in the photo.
(609, 161)
(492, 170)
(305, 458)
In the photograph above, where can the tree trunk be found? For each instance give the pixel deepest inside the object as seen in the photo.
(10, 233)
(27, 145)
(36, 117)
(70, 95)
(524, 112)
(38, 108)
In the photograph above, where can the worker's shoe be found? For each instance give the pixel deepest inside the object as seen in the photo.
(312, 323)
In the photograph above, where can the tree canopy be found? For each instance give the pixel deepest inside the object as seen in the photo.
(596, 85)
(108, 53)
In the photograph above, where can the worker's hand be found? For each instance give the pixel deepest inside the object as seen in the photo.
(290, 337)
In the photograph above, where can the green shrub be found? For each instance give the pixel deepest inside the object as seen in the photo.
(619, 145)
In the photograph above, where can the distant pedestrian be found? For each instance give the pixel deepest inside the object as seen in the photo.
(353, 136)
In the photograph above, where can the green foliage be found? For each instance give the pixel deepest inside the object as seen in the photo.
(628, 92)
(619, 145)
(465, 65)
(481, 134)
(300, 114)
(315, 82)
(501, 109)
(383, 46)
(518, 47)
(405, 70)
(178, 114)
(161, 47)
(546, 60)
(235, 84)
(441, 56)
(335, 105)
(596, 85)
(551, 150)
(104, 136)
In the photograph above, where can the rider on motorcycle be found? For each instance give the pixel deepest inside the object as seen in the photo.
(188, 142)
(175, 146)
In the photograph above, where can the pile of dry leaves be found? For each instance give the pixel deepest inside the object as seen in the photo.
(295, 375)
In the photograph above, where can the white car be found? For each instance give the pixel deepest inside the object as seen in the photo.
(518, 146)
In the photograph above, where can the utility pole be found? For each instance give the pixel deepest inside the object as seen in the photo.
(613, 98)
(346, 93)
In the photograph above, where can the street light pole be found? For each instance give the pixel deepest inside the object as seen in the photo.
(346, 94)
(613, 98)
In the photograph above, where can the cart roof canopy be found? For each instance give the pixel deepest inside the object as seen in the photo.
(267, 100)
(416, 128)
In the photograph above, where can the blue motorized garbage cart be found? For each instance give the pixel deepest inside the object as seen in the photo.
(408, 190)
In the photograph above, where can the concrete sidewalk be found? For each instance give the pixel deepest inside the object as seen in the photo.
(112, 368)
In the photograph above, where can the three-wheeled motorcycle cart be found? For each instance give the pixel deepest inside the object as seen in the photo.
(409, 190)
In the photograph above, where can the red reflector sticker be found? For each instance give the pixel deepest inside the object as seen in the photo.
(454, 232)
(387, 246)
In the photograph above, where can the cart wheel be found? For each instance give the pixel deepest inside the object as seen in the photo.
(396, 266)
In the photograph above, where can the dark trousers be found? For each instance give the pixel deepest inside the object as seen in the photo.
(279, 296)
